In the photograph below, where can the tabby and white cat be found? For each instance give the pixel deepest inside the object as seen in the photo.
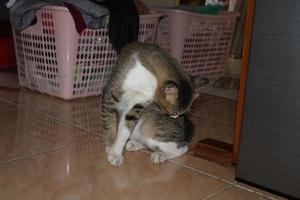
(168, 137)
(143, 74)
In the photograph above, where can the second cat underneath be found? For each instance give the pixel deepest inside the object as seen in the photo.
(167, 137)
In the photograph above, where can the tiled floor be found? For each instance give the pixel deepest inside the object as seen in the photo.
(53, 149)
(214, 117)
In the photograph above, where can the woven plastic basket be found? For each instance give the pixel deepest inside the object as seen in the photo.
(201, 43)
(53, 58)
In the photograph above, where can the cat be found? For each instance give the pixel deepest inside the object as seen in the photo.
(168, 137)
(143, 74)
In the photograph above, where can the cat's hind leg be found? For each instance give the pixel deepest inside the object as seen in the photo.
(115, 152)
(128, 119)
(167, 151)
(134, 145)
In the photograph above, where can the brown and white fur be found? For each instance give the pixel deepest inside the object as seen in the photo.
(166, 136)
(143, 74)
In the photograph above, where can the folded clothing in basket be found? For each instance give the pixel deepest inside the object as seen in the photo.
(123, 21)
(22, 12)
(207, 9)
(210, 9)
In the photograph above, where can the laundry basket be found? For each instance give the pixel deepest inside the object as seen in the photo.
(53, 58)
(201, 43)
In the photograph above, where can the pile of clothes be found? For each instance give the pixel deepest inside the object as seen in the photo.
(123, 21)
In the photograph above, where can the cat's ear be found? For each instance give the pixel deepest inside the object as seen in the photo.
(171, 91)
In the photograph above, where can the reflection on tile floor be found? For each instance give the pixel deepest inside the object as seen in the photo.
(214, 117)
(236, 193)
(81, 172)
(53, 149)
(25, 133)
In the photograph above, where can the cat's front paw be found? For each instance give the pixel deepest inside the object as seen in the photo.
(133, 145)
(159, 157)
(115, 159)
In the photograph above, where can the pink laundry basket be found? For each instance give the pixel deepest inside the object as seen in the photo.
(53, 58)
(201, 43)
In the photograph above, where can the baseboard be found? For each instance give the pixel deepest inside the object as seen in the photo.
(266, 189)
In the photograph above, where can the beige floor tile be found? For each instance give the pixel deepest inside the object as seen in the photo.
(83, 112)
(24, 133)
(5, 107)
(235, 193)
(86, 114)
(214, 108)
(213, 117)
(82, 172)
(9, 80)
(206, 166)
(206, 128)
(9, 95)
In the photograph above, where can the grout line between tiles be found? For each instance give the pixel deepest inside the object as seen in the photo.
(33, 154)
(218, 192)
(253, 191)
(231, 184)
(202, 172)
(49, 116)
(197, 170)
(215, 121)
(101, 135)
(40, 153)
